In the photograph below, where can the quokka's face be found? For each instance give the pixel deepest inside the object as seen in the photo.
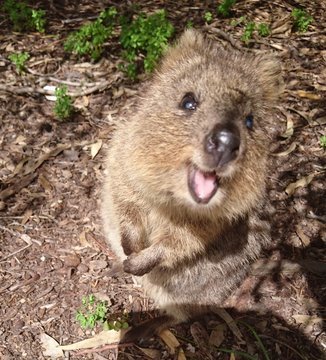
(202, 135)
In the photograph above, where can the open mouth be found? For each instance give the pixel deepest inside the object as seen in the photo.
(202, 185)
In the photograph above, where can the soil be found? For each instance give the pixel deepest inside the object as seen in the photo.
(52, 247)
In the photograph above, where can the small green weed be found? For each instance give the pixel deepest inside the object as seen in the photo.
(208, 16)
(19, 59)
(38, 19)
(224, 8)
(236, 22)
(248, 32)
(189, 24)
(263, 29)
(92, 312)
(63, 108)
(302, 20)
(322, 142)
(147, 35)
(24, 17)
(90, 38)
(95, 311)
(120, 323)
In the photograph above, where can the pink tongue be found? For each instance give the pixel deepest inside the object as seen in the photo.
(204, 184)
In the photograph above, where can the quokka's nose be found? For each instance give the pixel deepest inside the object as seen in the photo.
(222, 144)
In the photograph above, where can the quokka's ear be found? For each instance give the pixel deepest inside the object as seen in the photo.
(269, 73)
(191, 39)
(191, 43)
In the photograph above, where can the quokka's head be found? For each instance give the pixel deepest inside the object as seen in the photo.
(200, 138)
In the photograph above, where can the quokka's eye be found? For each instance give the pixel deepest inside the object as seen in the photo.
(189, 102)
(249, 122)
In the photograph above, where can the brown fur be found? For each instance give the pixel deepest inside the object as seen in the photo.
(191, 256)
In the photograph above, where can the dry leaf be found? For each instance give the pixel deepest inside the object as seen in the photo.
(83, 240)
(95, 148)
(181, 355)
(289, 127)
(72, 260)
(20, 140)
(199, 334)
(103, 338)
(229, 321)
(303, 237)
(81, 102)
(28, 213)
(151, 353)
(321, 120)
(308, 95)
(288, 151)
(300, 183)
(117, 93)
(45, 183)
(51, 347)
(170, 340)
(10, 48)
(96, 265)
(306, 319)
(217, 337)
(307, 322)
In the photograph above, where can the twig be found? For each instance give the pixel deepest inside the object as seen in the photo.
(17, 186)
(36, 90)
(25, 90)
(98, 87)
(60, 81)
(26, 238)
(211, 28)
(68, 21)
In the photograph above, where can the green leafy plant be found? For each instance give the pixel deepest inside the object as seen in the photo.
(91, 312)
(38, 20)
(263, 29)
(208, 16)
(63, 108)
(145, 36)
(24, 17)
(94, 311)
(248, 32)
(90, 38)
(302, 20)
(224, 8)
(19, 59)
(322, 141)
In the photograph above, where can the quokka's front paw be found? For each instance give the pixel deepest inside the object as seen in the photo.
(140, 263)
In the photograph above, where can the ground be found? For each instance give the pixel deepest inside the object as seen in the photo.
(52, 247)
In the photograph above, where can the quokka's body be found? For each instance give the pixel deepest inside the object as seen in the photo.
(184, 202)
